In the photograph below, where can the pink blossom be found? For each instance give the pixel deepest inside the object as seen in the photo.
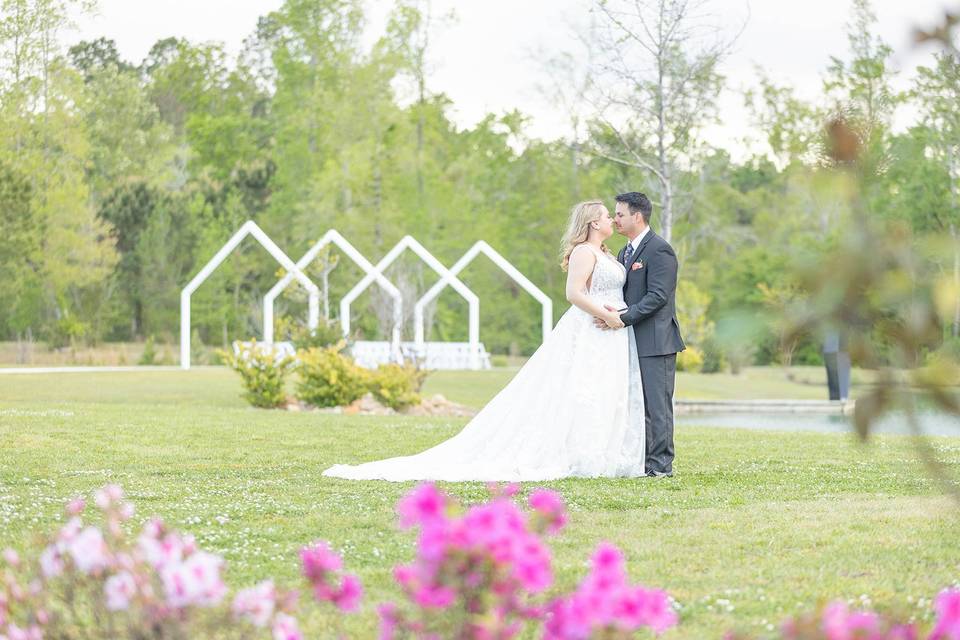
(256, 604)
(317, 560)
(425, 504)
(162, 551)
(550, 505)
(839, 623)
(435, 597)
(70, 530)
(76, 506)
(119, 590)
(350, 593)
(89, 551)
(285, 628)
(389, 620)
(51, 562)
(11, 557)
(947, 606)
(196, 581)
(108, 496)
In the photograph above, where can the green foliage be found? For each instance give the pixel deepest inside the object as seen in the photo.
(690, 360)
(329, 378)
(263, 374)
(67, 332)
(397, 386)
(714, 360)
(149, 355)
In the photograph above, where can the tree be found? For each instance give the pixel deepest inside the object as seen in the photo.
(657, 84)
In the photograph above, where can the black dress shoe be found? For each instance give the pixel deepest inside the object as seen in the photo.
(659, 474)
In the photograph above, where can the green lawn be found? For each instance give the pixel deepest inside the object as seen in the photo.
(755, 525)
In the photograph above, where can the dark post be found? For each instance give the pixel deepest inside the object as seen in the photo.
(837, 361)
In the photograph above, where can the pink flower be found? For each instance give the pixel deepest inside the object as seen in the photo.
(51, 562)
(947, 606)
(70, 530)
(608, 560)
(285, 628)
(256, 604)
(162, 551)
(196, 581)
(350, 593)
(550, 505)
(317, 560)
(425, 504)
(119, 590)
(11, 557)
(89, 551)
(389, 620)
(108, 496)
(839, 623)
(76, 506)
(435, 597)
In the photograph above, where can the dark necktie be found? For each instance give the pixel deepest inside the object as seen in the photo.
(627, 252)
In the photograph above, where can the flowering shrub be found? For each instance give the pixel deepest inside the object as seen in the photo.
(263, 372)
(95, 579)
(483, 572)
(480, 573)
(837, 621)
(397, 386)
(329, 378)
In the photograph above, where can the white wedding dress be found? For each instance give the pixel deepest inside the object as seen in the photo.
(575, 409)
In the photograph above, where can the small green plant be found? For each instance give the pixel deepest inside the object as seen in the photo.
(149, 355)
(263, 372)
(327, 334)
(329, 378)
(397, 386)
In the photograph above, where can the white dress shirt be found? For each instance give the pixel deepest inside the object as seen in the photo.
(633, 244)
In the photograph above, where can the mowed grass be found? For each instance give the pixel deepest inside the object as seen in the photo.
(755, 526)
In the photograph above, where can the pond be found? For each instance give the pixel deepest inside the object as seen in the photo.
(933, 423)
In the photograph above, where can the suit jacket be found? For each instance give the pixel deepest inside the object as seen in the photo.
(650, 293)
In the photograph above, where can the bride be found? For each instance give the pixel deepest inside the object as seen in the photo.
(575, 409)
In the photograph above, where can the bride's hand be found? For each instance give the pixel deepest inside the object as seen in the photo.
(612, 318)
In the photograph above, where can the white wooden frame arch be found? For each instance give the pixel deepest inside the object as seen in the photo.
(249, 228)
(409, 242)
(334, 237)
(482, 247)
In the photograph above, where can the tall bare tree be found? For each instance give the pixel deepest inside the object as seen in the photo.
(656, 85)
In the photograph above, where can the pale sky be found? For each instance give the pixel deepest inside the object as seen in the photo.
(486, 60)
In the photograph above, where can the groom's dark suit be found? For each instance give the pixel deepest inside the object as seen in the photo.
(650, 292)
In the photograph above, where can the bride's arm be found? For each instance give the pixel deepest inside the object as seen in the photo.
(578, 272)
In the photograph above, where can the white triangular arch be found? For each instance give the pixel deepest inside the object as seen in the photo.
(249, 228)
(409, 242)
(334, 237)
(482, 247)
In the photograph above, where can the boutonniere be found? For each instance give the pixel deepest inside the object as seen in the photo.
(637, 265)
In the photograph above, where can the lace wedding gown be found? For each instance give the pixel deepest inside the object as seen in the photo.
(574, 409)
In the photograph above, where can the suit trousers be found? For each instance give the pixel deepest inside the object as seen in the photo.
(659, 374)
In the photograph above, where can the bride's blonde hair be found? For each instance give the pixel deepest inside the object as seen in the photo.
(578, 229)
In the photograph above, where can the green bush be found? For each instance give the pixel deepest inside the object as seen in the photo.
(328, 378)
(690, 359)
(66, 332)
(397, 386)
(263, 374)
(713, 359)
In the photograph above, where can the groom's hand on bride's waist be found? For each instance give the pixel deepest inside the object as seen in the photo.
(603, 323)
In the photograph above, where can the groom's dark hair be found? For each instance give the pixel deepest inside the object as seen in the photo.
(637, 202)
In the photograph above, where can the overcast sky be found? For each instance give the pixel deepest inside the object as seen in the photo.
(486, 61)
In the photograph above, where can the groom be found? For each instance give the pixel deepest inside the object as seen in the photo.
(650, 292)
